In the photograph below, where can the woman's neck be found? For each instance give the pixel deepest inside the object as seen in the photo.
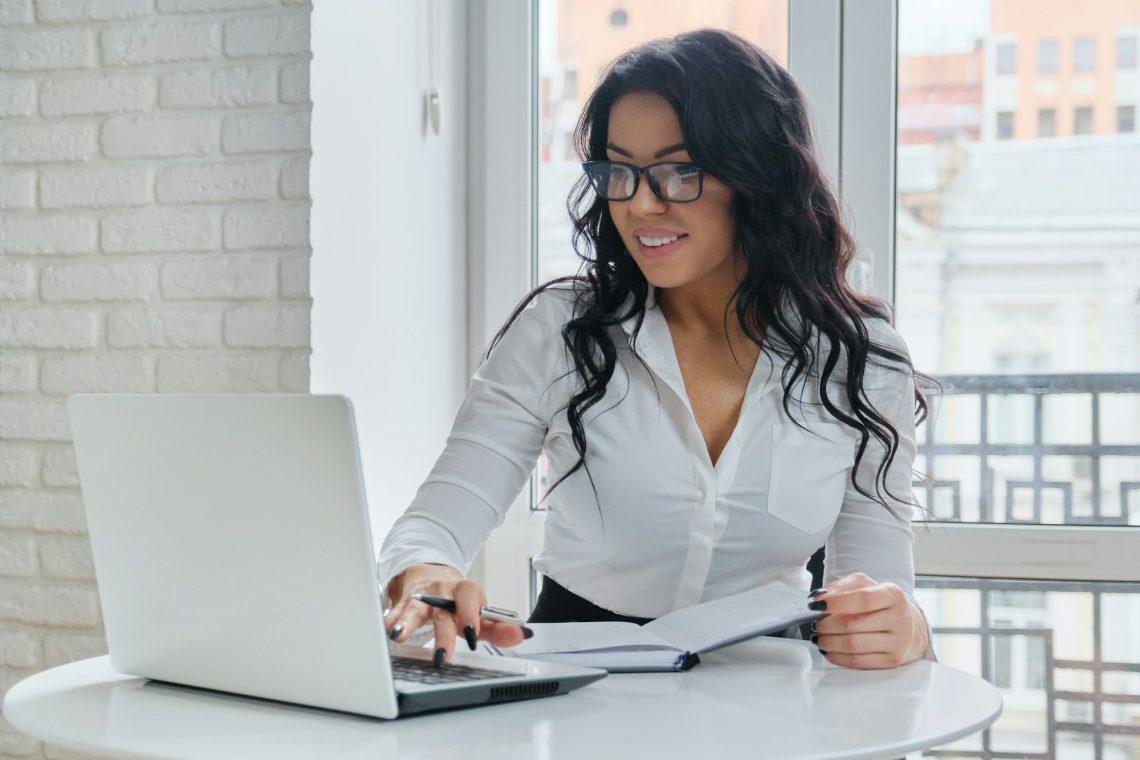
(698, 307)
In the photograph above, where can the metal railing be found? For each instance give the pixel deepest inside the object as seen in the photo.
(1096, 728)
(1037, 387)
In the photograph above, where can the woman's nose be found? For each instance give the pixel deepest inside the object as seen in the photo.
(645, 201)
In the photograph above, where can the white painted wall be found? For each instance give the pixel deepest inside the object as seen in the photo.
(388, 234)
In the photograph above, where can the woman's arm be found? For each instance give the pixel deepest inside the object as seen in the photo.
(491, 451)
(873, 618)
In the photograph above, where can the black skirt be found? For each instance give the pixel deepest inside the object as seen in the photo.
(558, 604)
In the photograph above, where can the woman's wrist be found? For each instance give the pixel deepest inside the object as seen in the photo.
(919, 633)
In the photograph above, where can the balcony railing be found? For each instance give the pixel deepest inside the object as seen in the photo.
(1079, 505)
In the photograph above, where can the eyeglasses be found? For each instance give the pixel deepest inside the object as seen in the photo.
(670, 181)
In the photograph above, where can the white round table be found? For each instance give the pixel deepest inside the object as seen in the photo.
(766, 698)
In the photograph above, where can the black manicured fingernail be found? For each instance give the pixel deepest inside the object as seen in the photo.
(469, 634)
(437, 659)
(397, 629)
(527, 633)
(815, 639)
(817, 592)
(818, 604)
(822, 651)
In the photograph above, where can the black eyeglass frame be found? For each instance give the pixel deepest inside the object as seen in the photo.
(652, 182)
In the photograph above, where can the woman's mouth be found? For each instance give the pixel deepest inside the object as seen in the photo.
(657, 251)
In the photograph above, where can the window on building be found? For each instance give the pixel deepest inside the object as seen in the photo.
(1048, 57)
(570, 83)
(1083, 121)
(1005, 125)
(1046, 122)
(1126, 52)
(1125, 119)
(1084, 55)
(1006, 54)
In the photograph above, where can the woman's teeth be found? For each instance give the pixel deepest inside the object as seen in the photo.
(653, 242)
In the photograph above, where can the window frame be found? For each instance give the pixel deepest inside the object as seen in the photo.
(846, 63)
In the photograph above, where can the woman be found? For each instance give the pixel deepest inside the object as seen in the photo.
(712, 227)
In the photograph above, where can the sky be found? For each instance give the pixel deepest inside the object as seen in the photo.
(941, 26)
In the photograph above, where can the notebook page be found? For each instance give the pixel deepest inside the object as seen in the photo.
(580, 637)
(704, 626)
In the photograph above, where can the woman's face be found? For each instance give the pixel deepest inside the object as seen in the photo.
(644, 130)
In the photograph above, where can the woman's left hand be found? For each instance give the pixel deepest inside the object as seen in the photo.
(869, 624)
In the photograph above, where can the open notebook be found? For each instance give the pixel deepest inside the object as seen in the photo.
(674, 640)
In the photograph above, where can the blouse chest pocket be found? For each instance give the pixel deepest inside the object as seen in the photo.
(810, 471)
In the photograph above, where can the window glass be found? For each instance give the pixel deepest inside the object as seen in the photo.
(1048, 55)
(1004, 125)
(583, 36)
(1054, 650)
(1126, 118)
(1083, 121)
(1016, 257)
(1084, 55)
(1006, 58)
(1126, 52)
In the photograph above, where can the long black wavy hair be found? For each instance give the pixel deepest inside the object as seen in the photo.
(745, 122)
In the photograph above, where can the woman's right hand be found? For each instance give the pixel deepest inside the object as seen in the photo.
(408, 614)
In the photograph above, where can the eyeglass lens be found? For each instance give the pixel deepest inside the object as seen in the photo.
(675, 182)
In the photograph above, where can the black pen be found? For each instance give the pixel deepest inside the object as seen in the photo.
(496, 614)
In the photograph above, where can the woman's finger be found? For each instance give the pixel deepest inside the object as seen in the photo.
(879, 620)
(862, 661)
(880, 596)
(414, 614)
(445, 632)
(392, 614)
(850, 582)
(469, 599)
(502, 634)
(857, 643)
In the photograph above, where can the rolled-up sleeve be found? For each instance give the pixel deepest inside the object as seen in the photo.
(866, 538)
(491, 451)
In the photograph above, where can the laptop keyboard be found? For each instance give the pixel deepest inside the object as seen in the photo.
(411, 669)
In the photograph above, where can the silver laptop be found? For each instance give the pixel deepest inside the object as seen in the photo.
(232, 551)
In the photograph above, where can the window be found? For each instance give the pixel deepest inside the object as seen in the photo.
(1126, 118)
(1083, 121)
(1005, 125)
(1084, 55)
(990, 235)
(570, 84)
(1126, 52)
(1048, 57)
(1006, 53)
(1002, 286)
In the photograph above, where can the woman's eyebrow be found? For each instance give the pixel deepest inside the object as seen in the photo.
(658, 154)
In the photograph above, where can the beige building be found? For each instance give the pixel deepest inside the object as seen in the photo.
(1056, 69)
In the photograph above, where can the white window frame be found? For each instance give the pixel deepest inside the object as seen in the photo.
(844, 58)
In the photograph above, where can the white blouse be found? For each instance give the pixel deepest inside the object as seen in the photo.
(674, 529)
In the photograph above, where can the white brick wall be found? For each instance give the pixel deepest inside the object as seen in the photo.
(154, 237)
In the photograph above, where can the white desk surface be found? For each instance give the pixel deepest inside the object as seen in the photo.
(766, 698)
